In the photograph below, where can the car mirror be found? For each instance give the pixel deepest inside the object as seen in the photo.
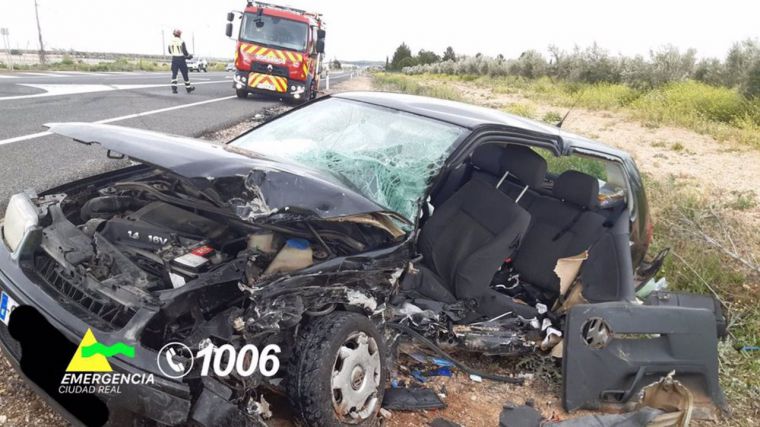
(230, 16)
(320, 47)
(228, 30)
(321, 34)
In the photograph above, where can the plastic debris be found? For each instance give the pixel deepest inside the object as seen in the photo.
(443, 371)
(476, 378)
(443, 422)
(442, 362)
(411, 399)
(519, 416)
(651, 286)
(541, 308)
(417, 375)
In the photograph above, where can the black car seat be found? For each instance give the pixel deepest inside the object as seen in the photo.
(564, 225)
(518, 171)
(489, 162)
(465, 241)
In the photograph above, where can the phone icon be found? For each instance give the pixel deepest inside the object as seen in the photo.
(177, 366)
(175, 360)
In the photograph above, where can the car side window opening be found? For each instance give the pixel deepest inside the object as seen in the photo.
(613, 186)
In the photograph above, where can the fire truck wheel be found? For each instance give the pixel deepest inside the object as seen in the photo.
(241, 93)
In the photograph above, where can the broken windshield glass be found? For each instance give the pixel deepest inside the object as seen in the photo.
(387, 155)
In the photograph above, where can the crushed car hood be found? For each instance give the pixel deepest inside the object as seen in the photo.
(283, 185)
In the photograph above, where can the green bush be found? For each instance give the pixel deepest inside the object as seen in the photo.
(521, 109)
(692, 100)
(400, 83)
(551, 117)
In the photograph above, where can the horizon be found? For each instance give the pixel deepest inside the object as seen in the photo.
(354, 35)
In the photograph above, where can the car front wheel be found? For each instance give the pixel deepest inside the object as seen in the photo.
(337, 373)
(241, 93)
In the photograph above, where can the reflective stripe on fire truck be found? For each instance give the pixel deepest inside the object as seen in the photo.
(305, 67)
(272, 53)
(262, 81)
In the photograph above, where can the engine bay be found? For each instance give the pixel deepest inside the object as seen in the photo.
(149, 240)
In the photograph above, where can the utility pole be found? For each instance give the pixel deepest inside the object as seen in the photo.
(193, 43)
(4, 33)
(39, 33)
(163, 44)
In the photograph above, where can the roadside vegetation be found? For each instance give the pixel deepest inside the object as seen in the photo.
(67, 63)
(711, 96)
(712, 232)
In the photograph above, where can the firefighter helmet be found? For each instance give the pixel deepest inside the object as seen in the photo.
(177, 32)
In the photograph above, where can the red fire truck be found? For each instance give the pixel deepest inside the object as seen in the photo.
(278, 52)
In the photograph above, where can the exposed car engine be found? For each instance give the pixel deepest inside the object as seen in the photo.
(185, 251)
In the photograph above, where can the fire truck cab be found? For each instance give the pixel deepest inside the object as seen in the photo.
(278, 51)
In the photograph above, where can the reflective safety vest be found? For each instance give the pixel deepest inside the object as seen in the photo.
(175, 47)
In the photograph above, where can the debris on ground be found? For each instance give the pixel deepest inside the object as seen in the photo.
(411, 399)
(230, 132)
(520, 416)
(443, 422)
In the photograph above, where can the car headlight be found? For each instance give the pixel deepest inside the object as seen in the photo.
(21, 220)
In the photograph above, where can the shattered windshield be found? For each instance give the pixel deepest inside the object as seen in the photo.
(387, 155)
(274, 31)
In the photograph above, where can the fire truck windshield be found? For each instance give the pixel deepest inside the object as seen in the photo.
(274, 31)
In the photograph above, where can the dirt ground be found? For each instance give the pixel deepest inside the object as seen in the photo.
(700, 159)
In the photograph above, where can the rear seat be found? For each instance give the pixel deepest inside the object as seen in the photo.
(523, 166)
(562, 226)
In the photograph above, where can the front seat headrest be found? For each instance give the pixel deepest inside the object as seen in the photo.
(487, 158)
(577, 188)
(525, 164)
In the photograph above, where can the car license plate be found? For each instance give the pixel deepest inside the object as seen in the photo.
(266, 85)
(7, 304)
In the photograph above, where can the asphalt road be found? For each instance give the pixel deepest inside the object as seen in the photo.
(32, 158)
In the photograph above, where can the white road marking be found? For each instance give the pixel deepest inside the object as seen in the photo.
(43, 74)
(80, 73)
(7, 76)
(24, 137)
(72, 89)
(163, 110)
(120, 118)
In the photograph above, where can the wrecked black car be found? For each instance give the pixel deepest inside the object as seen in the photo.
(336, 231)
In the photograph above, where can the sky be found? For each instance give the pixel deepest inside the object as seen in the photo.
(372, 30)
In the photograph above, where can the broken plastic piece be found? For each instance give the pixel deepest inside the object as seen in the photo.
(476, 378)
(541, 308)
(439, 372)
(652, 286)
(411, 399)
(417, 375)
(442, 362)
(443, 422)
(519, 416)
(567, 270)
(670, 396)
(639, 418)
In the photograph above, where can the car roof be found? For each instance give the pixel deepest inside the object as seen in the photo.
(472, 117)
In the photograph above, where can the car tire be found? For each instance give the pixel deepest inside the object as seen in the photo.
(241, 93)
(337, 371)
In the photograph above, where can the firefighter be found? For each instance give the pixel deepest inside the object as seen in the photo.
(178, 51)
